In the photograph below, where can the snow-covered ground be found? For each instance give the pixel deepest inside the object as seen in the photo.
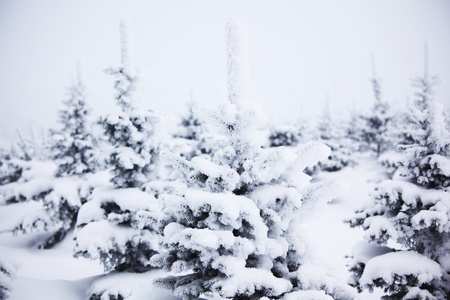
(55, 274)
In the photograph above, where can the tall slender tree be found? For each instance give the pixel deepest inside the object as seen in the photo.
(332, 134)
(131, 132)
(73, 142)
(109, 227)
(375, 133)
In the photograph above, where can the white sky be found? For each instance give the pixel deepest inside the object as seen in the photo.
(300, 51)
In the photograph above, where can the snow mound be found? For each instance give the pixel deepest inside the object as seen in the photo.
(388, 267)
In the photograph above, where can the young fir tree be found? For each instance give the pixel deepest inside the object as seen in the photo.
(353, 129)
(73, 143)
(131, 131)
(108, 227)
(236, 231)
(72, 150)
(193, 134)
(330, 133)
(191, 125)
(60, 192)
(374, 133)
(412, 211)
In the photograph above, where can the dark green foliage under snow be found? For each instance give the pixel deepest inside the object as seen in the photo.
(412, 210)
(73, 144)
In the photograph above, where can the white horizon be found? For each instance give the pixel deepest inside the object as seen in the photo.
(300, 52)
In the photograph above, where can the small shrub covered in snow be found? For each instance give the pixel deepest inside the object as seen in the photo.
(413, 211)
(288, 135)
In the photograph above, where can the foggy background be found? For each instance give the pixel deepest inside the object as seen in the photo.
(300, 52)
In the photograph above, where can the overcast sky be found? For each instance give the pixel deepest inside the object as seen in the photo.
(300, 52)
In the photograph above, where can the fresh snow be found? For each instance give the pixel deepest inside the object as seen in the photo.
(404, 263)
(55, 274)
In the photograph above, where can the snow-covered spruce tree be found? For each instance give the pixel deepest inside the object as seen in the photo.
(191, 127)
(236, 231)
(398, 132)
(194, 138)
(72, 150)
(375, 132)
(108, 226)
(287, 135)
(10, 170)
(430, 135)
(73, 142)
(413, 211)
(353, 129)
(331, 133)
(131, 130)
(60, 192)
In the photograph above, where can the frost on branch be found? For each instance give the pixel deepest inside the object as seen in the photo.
(223, 237)
(125, 75)
(133, 157)
(116, 227)
(396, 271)
(238, 62)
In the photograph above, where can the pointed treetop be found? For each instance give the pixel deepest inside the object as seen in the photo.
(425, 84)
(426, 61)
(237, 62)
(376, 86)
(80, 72)
(326, 110)
(372, 61)
(191, 98)
(125, 40)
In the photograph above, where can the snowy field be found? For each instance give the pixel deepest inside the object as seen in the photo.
(54, 274)
(223, 203)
